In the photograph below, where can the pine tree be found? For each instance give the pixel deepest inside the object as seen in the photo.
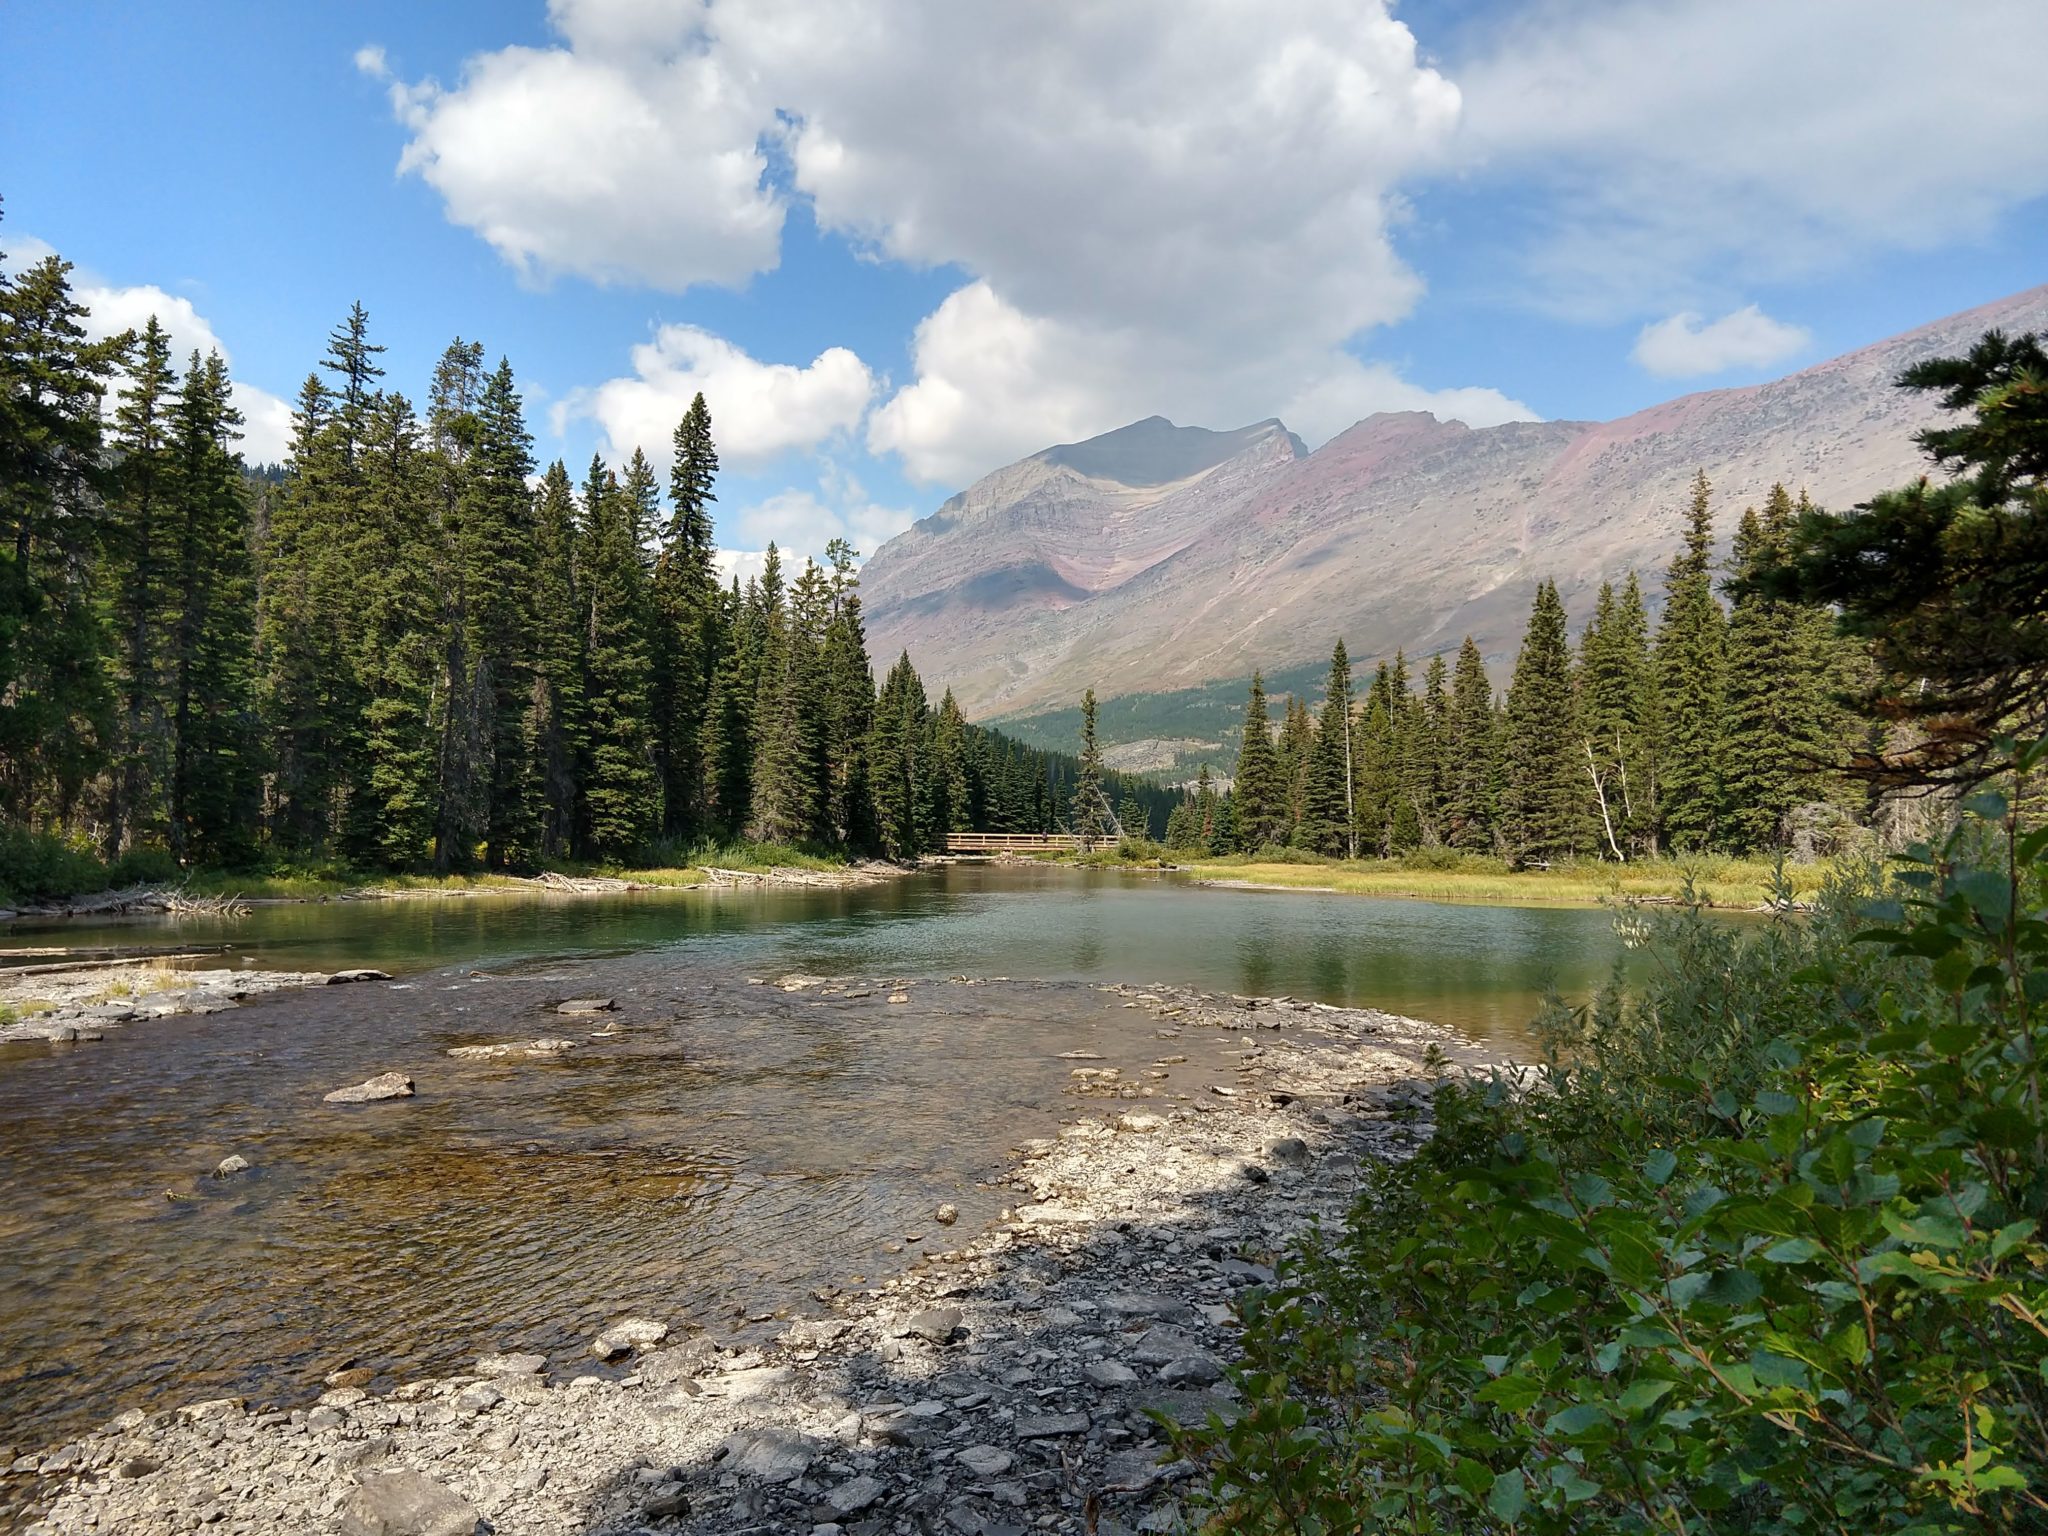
(1374, 764)
(1691, 687)
(215, 785)
(1408, 757)
(560, 724)
(137, 573)
(849, 706)
(56, 716)
(686, 604)
(1088, 783)
(946, 798)
(1543, 816)
(896, 758)
(1259, 795)
(621, 792)
(496, 534)
(1614, 689)
(1778, 706)
(393, 804)
(1296, 753)
(1326, 824)
(1472, 814)
(454, 431)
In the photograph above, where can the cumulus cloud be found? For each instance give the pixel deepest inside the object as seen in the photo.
(1177, 205)
(1675, 146)
(760, 411)
(1687, 344)
(801, 523)
(600, 158)
(112, 309)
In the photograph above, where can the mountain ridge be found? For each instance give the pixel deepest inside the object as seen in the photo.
(1157, 557)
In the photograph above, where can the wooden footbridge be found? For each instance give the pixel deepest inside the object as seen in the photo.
(1021, 842)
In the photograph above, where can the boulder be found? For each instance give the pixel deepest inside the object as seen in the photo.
(386, 1085)
(406, 1503)
(1291, 1150)
(627, 1335)
(934, 1324)
(769, 1455)
(230, 1165)
(946, 1214)
(360, 973)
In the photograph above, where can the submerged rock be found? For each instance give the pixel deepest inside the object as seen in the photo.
(360, 973)
(231, 1165)
(386, 1085)
(587, 1005)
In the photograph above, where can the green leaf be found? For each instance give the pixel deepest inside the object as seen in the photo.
(1659, 1166)
(1509, 1498)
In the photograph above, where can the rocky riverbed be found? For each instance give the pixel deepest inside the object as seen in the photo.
(65, 1004)
(1004, 1380)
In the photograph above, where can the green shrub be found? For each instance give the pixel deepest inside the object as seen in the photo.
(41, 866)
(1761, 1253)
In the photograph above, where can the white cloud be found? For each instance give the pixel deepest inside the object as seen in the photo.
(111, 309)
(759, 411)
(601, 159)
(1687, 344)
(1680, 149)
(800, 524)
(371, 61)
(1167, 205)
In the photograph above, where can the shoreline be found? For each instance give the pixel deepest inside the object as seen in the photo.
(170, 901)
(1000, 1382)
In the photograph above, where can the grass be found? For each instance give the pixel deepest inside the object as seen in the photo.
(668, 866)
(1719, 881)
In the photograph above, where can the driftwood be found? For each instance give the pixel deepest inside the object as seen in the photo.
(143, 898)
(586, 885)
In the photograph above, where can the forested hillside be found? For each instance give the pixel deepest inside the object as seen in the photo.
(414, 647)
(1724, 729)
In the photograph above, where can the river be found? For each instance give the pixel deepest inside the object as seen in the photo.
(725, 1150)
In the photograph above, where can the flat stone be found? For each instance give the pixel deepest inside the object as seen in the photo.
(1109, 1373)
(549, 1046)
(231, 1165)
(1043, 1426)
(627, 1335)
(479, 1397)
(406, 1503)
(1140, 1122)
(1144, 1304)
(136, 1466)
(666, 1502)
(756, 1381)
(587, 1005)
(769, 1455)
(855, 1495)
(511, 1365)
(360, 973)
(1192, 1371)
(936, 1324)
(985, 1460)
(386, 1085)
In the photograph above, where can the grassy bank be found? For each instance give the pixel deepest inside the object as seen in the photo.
(41, 871)
(1716, 882)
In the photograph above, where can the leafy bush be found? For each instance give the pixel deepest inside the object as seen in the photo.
(1762, 1252)
(40, 866)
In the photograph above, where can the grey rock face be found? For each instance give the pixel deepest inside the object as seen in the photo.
(406, 1503)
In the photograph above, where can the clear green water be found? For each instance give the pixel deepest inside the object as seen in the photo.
(726, 1149)
(1480, 969)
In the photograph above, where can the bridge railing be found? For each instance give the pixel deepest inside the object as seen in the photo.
(1017, 842)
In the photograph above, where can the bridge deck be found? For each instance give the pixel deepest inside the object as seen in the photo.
(1018, 842)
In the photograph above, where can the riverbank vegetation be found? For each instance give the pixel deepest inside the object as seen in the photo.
(413, 649)
(1759, 1251)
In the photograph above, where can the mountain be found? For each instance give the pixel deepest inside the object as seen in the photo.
(1156, 558)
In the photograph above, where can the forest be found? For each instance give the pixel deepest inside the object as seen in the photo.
(1715, 730)
(411, 647)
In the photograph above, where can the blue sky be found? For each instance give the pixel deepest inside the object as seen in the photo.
(900, 242)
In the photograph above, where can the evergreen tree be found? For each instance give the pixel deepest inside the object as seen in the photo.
(558, 728)
(1614, 692)
(1088, 783)
(685, 628)
(56, 718)
(496, 535)
(1691, 686)
(1374, 763)
(896, 756)
(392, 805)
(1544, 812)
(214, 791)
(1472, 815)
(137, 568)
(1296, 753)
(454, 432)
(1258, 795)
(849, 705)
(621, 792)
(1408, 758)
(1326, 823)
(1778, 709)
